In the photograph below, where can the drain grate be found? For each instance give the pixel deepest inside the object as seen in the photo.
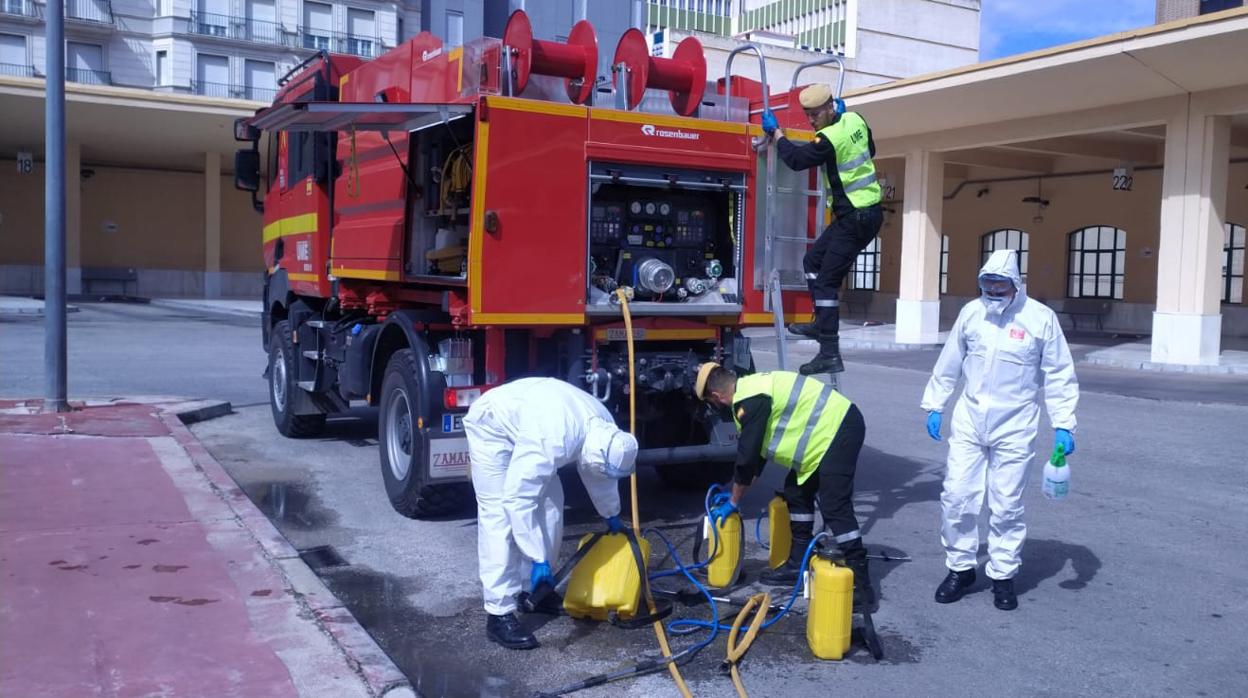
(322, 557)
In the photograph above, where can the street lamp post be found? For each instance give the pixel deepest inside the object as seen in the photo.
(54, 337)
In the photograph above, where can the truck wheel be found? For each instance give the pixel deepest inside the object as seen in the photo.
(403, 458)
(283, 382)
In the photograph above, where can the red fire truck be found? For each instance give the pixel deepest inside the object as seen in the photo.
(440, 220)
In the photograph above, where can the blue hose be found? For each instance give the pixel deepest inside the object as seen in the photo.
(686, 626)
(680, 569)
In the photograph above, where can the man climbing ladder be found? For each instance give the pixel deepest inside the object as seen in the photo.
(843, 144)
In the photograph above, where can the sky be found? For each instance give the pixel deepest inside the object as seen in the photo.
(1008, 27)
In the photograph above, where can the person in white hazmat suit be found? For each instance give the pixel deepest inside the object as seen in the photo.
(519, 435)
(1006, 346)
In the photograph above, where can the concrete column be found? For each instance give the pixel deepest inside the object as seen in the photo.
(1187, 324)
(918, 299)
(73, 218)
(212, 225)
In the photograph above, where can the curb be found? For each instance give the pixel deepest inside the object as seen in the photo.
(201, 307)
(30, 312)
(1194, 369)
(201, 410)
(361, 652)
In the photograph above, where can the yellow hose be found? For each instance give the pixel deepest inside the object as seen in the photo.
(759, 603)
(659, 632)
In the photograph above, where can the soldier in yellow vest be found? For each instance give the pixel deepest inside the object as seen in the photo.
(815, 432)
(844, 146)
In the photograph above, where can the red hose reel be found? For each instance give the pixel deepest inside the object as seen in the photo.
(576, 61)
(683, 75)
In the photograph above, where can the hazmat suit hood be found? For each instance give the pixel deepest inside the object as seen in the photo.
(1003, 263)
(608, 452)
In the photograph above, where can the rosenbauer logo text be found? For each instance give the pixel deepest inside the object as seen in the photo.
(650, 130)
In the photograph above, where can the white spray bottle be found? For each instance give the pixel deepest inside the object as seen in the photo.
(1057, 475)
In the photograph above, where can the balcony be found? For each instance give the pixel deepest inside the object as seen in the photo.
(228, 91)
(17, 70)
(334, 42)
(21, 8)
(236, 28)
(89, 11)
(87, 76)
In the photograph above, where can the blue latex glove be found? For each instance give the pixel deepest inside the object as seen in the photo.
(720, 498)
(541, 573)
(933, 425)
(769, 122)
(721, 511)
(614, 524)
(1066, 440)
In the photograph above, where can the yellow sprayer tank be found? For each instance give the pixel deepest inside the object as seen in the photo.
(606, 579)
(725, 564)
(779, 533)
(830, 616)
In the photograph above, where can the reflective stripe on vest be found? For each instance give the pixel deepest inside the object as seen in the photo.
(805, 416)
(854, 165)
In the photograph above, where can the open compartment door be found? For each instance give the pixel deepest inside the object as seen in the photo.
(362, 116)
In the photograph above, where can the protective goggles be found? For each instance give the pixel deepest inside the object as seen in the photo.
(996, 286)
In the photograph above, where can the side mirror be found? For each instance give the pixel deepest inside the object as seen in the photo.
(245, 132)
(247, 170)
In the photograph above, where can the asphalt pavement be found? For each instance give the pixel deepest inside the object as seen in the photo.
(1132, 586)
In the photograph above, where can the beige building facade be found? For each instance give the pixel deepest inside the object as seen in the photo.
(1119, 166)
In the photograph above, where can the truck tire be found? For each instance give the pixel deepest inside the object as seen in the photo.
(283, 381)
(402, 455)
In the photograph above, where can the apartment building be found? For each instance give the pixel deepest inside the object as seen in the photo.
(218, 48)
(880, 40)
(1170, 10)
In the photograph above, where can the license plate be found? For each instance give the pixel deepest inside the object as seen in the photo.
(452, 423)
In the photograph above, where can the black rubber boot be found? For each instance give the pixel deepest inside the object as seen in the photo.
(507, 631)
(955, 585)
(787, 574)
(1003, 596)
(856, 560)
(828, 360)
(804, 329)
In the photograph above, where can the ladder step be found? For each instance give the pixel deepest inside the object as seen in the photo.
(807, 192)
(307, 385)
(312, 354)
(793, 238)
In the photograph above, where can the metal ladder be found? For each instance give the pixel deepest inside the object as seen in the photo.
(775, 245)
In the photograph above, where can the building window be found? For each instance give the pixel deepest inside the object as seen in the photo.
(262, 23)
(361, 33)
(1098, 256)
(317, 25)
(1207, 6)
(865, 274)
(944, 264)
(260, 81)
(213, 18)
(85, 63)
(454, 29)
(212, 76)
(1233, 264)
(13, 56)
(1006, 239)
(162, 68)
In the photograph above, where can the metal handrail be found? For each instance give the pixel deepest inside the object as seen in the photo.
(762, 74)
(88, 76)
(840, 64)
